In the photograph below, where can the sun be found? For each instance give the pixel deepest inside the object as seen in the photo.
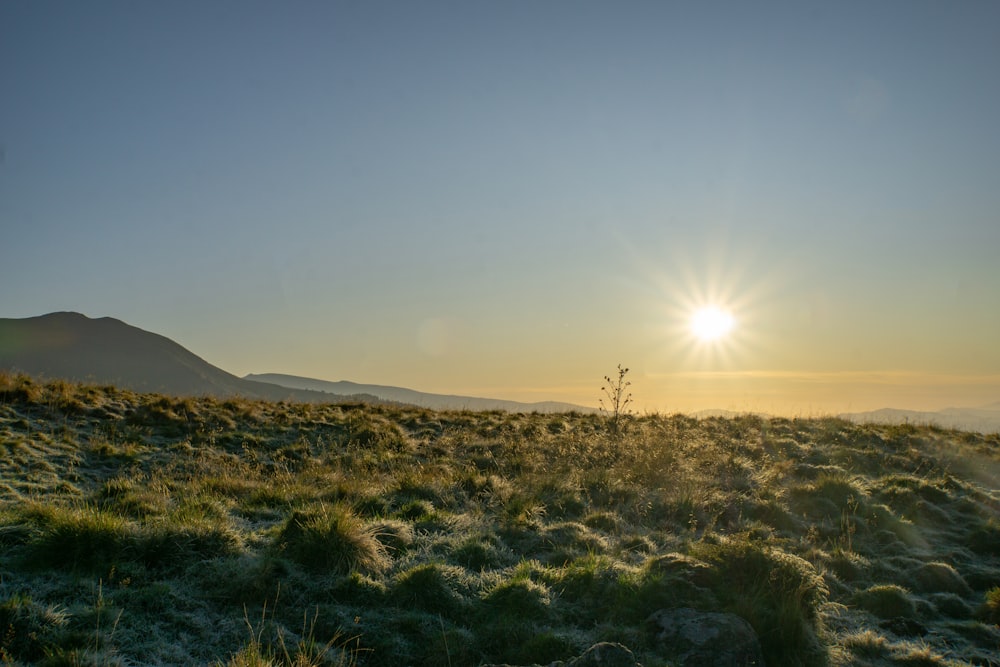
(711, 323)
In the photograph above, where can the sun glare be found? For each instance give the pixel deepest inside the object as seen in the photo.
(711, 323)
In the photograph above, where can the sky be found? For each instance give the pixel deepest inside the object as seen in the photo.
(509, 199)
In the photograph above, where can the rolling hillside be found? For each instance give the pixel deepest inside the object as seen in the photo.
(985, 419)
(108, 351)
(412, 397)
(104, 350)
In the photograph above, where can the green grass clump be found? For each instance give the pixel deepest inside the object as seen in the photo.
(951, 605)
(175, 543)
(991, 606)
(664, 582)
(778, 593)
(593, 587)
(479, 552)
(28, 630)
(886, 601)
(359, 589)
(518, 599)
(433, 588)
(79, 539)
(940, 577)
(867, 644)
(331, 539)
(984, 539)
(284, 649)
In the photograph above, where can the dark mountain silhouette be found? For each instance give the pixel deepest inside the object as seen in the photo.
(108, 351)
(413, 397)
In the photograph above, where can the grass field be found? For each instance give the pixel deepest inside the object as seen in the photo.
(144, 529)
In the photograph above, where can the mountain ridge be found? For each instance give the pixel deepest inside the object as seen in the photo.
(105, 350)
(412, 396)
(984, 419)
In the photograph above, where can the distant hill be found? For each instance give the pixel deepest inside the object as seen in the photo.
(985, 419)
(108, 351)
(413, 397)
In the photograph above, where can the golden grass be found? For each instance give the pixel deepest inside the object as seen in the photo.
(458, 537)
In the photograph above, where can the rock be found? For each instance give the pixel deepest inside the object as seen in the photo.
(605, 654)
(706, 639)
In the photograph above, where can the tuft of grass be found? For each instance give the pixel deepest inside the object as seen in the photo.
(951, 605)
(518, 599)
(984, 539)
(172, 544)
(359, 589)
(332, 539)
(920, 655)
(867, 644)
(479, 552)
(592, 587)
(991, 606)
(886, 601)
(937, 577)
(417, 510)
(396, 536)
(848, 566)
(84, 539)
(433, 588)
(778, 593)
(28, 630)
(307, 651)
(607, 522)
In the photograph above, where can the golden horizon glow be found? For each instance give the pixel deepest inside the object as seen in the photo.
(711, 323)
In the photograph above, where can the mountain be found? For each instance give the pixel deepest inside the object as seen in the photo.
(108, 351)
(985, 419)
(413, 397)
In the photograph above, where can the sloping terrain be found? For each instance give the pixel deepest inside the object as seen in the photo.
(411, 397)
(108, 351)
(985, 419)
(146, 529)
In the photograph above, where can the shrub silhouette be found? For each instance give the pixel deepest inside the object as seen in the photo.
(619, 398)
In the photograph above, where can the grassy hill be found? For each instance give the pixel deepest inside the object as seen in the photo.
(104, 350)
(145, 529)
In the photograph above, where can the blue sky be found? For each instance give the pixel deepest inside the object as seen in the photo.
(510, 198)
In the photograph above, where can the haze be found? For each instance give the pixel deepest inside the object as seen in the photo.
(509, 199)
